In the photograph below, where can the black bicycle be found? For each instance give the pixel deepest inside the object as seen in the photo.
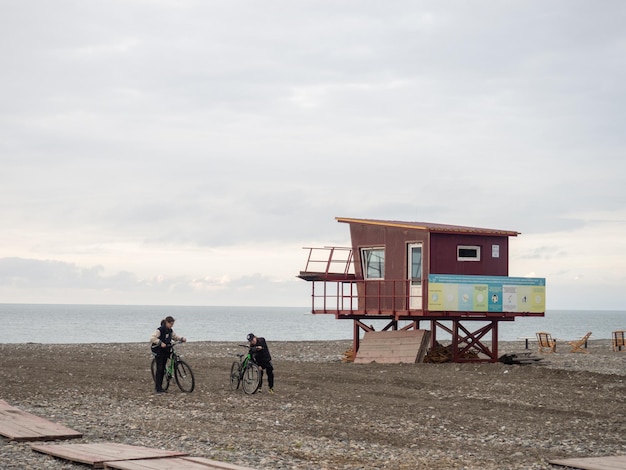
(246, 372)
(178, 369)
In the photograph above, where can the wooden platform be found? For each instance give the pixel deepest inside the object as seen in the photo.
(614, 462)
(22, 426)
(179, 463)
(18, 425)
(127, 457)
(392, 347)
(99, 453)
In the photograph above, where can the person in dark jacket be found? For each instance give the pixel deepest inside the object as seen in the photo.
(262, 356)
(161, 341)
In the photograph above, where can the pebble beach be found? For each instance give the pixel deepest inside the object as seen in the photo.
(326, 414)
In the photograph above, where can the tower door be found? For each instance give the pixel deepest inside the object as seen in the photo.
(415, 275)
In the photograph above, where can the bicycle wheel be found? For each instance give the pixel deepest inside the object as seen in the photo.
(234, 376)
(184, 376)
(251, 379)
(166, 380)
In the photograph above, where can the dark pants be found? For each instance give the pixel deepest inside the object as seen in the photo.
(269, 368)
(161, 362)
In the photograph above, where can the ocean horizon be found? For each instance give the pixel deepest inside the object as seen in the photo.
(76, 323)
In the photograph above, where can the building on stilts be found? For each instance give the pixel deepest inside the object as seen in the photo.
(450, 282)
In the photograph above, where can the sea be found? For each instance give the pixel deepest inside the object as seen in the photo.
(67, 324)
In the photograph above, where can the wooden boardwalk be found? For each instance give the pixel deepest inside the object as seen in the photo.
(18, 425)
(127, 457)
(613, 462)
(182, 463)
(97, 454)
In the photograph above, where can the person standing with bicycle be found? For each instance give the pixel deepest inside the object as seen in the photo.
(161, 341)
(261, 354)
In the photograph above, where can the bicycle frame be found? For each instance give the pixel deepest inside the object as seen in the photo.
(246, 372)
(244, 363)
(169, 368)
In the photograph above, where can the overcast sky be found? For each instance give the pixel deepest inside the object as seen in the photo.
(184, 152)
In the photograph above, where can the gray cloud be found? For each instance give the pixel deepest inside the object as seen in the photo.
(32, 273)
(212, 126)
(78, 284)
(545, 252)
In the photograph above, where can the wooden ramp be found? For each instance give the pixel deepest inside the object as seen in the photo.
(97, 454)
(179, 463)
(392, 347)
(18, 425)
(614, 462)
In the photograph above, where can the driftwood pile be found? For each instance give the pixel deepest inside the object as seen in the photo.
(439, 354)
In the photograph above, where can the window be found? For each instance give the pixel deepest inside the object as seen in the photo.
(373, 263)
(467, 253)
(415, 262)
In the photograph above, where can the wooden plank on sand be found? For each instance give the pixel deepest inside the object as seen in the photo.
(18, 425)
(614, 462)
(97, 454)
(392, 347)
(179, 463)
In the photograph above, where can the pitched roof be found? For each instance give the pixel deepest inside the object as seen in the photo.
(430, 227)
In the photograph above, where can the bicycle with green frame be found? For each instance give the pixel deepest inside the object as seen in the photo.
(178, 369)
(245, 372)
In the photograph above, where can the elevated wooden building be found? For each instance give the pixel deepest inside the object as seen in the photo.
(453, 278)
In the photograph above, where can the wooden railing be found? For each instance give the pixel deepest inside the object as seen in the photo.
(371, 297)
(330, 260)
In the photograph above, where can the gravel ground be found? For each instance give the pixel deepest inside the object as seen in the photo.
(326, 414)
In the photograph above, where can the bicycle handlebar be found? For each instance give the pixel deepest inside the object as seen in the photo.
(172, 344)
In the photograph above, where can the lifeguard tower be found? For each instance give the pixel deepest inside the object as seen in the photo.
(455, 278)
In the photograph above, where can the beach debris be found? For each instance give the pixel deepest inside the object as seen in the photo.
(524, 358)
(439, 354)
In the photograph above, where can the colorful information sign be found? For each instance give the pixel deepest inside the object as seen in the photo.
(457, 293)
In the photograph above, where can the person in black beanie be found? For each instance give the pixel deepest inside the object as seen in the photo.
(262, 356)
(161, 347)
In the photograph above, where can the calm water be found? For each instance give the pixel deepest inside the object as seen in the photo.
(23, 323)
